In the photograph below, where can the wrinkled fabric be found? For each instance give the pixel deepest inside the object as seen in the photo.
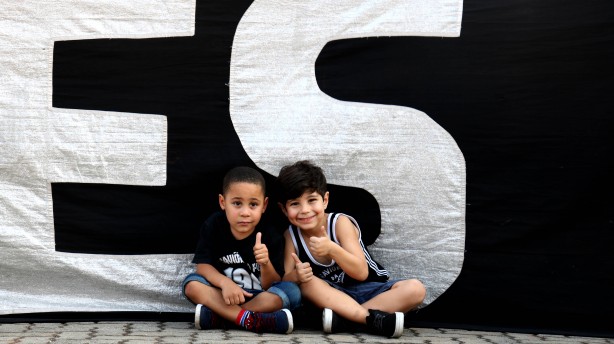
(411, 165)
(40, 145)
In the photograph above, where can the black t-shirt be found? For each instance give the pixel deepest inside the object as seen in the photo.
(235, 258)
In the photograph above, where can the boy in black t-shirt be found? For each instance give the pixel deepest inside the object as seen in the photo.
(240, 263)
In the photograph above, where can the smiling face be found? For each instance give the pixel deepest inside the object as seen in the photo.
(244, 203)
(307, 212)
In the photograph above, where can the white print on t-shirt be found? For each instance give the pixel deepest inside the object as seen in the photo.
(329, 271)
(234, 258)
(243, 278)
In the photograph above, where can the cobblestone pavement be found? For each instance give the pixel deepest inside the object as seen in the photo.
(184, 332)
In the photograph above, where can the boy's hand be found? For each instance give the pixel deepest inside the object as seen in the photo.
(233, 294)
(320, 245)
(261, 252)
(303, 270)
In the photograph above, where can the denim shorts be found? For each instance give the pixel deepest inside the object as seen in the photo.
(289, 292)
(364, 291)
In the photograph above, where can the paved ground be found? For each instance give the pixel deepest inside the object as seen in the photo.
(155, 332)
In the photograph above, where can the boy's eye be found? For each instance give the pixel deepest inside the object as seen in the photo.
(236, 203)
(253, 205)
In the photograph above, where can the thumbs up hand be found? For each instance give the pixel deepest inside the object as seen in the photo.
(261, 252)
(303, 270)
(320, 245)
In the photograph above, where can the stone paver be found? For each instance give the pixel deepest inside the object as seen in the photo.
(184, 333)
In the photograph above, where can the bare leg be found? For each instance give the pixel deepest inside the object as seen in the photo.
(264, 302)
(402, 297)
(212, 298)
(324, 296)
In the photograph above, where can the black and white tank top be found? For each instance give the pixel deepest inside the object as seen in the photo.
(333, 272)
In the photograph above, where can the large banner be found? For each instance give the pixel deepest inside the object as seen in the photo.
(471, 140)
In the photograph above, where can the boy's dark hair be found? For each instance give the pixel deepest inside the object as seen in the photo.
(243, 174)
(298, 178)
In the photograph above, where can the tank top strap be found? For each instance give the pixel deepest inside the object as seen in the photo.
(294, 236)
(332, 222)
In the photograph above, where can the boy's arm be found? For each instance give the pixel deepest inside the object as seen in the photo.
(212, 275)
(348, 255)
(289, 263)
(295, 270)
(231, 292)
(268, 274)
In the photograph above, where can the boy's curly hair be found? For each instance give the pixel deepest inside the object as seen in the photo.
(298, 178)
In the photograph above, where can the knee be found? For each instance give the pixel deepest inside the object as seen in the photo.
(195, 290)
(414, 289)
(190, 290)
(418, 289)
(289, 293)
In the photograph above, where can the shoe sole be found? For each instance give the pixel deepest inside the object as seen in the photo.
(398, 326)
(290, 320)
(197, 317)
(327, 320)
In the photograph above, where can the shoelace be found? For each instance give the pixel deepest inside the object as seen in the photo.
(378, 321)
(260, 322)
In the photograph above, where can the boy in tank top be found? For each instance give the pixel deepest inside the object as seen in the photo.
(325, 255)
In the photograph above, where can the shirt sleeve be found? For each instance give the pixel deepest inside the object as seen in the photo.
(204, 249)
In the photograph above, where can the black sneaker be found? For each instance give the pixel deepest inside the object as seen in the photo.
(274, 322)
(206, 319)
(386, 324)
(330, 321)
(333, 323)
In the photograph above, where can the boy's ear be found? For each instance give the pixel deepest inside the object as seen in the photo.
(266, 202)
(221, 201)
(325, 199)
(283, 209)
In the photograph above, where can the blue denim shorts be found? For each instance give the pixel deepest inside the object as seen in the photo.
(365, 291)
(289, 292)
